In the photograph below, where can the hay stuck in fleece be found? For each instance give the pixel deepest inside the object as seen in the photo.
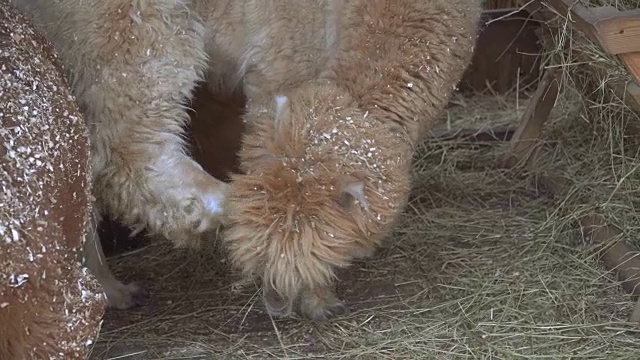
(485, 263)
(50, 305)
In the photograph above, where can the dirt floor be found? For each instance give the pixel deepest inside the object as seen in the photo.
(485, 264)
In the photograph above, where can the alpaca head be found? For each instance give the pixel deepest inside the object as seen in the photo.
(322, 184)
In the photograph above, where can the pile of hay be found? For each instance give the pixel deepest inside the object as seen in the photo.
(603, 142)
(485, 264)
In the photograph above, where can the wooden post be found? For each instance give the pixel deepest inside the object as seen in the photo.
(524, 140)
(617, 33)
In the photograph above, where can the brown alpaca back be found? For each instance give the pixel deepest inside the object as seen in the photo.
(50, 307)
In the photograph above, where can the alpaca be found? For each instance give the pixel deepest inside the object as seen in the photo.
(338, 94)
(50, 306)
(133, 66)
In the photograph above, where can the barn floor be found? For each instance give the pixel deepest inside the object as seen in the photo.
(485, 264)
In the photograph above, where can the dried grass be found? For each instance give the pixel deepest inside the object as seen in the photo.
(485, 264)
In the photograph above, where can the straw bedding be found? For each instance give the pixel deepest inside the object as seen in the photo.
(486, 263)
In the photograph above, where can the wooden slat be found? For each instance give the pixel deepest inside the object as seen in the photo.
(616, 255)
(582, 18)
(620, 32)
(632, 63)
(615, 31)
(526, 137)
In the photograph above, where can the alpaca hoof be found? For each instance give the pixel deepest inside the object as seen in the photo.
(141, 298)
(322, 305)
(124, 297)
(330, 312)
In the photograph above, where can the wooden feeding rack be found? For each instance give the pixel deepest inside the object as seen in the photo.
(618, 34)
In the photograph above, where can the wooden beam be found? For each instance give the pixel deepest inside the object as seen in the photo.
(617, 257)
(629, 92)
(615, 254)
(632, 63)
(615, 31)
(526, 137)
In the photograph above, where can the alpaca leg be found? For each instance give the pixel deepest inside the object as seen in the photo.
(119, 295)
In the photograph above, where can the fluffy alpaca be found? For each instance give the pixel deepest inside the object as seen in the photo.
(339, 92)
(133, 66)
(50, 306)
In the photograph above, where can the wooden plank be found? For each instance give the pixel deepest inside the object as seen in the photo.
(615, 31)
(632, 63)
(620, 33)
(616, 255)
(581, 17)
(631, 96)
(526, 137)
(629, 92)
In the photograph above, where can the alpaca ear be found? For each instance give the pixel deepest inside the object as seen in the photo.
(350, 190)
(283, 124)
(283, 110)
